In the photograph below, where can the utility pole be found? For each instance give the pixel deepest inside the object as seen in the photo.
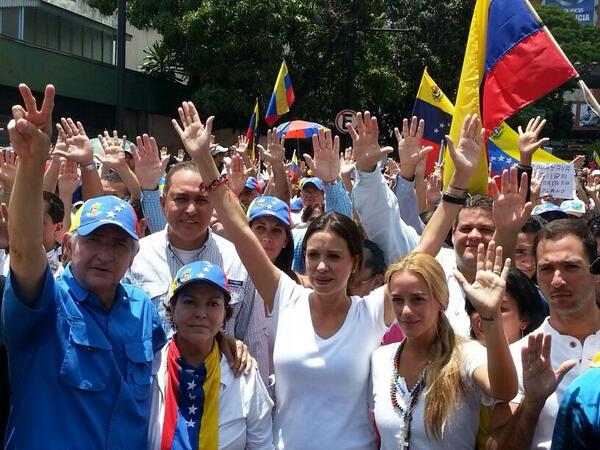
(121, 36)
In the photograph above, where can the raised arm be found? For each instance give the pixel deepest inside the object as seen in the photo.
(114, 158)
(326, 165)
(196, 140)
(513, 426)
(80, 150)
(149, 169)
(30, 131)
(509, 209)
(380, 219)
(465, 157)
(498, 378)
(8, 170)
(68, 180)
(274, 155)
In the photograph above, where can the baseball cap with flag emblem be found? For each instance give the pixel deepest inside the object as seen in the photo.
(107, 210)
(200, 271)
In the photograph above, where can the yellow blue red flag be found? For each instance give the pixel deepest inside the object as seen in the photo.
(252, 133)
(282, 97)
(510, 61)
(437, 110)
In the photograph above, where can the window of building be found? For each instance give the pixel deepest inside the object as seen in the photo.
(60, 30)
(10, 22)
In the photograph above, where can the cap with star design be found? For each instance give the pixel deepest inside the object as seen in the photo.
(269, 206)
(200, 271)
(107, 210)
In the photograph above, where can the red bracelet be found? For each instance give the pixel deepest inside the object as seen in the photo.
(212, 186)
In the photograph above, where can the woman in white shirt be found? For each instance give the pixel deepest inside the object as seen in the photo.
(427, 390)
(324, 338)
(197, 402)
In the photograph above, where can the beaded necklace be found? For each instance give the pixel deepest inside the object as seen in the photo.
(415, 392)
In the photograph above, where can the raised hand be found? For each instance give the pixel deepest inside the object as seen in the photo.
(8, 168)
(487, 290)
(242, 145)
(537, 178)
(578, 162)
(346, 162)
(275, 152)
(68, 179)
(433, 192)
(409, 146)
(194, 135)
(510, 209)
(149, 168)
(529, 140)
(466, 155)
(237, 174)
(326, 162)
(180, 155)
(30, 129)
(365, 142)
(114, 155)
(540, 380)
(79, 148)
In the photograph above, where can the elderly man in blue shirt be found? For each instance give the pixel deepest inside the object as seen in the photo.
(81, 347)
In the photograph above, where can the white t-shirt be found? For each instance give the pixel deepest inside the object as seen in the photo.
(456, 312)
(563, 348)
(460, 429)
(321, 385)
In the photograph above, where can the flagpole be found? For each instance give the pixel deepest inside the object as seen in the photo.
(587, 93)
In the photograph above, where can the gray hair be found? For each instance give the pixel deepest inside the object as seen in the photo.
(74, 236)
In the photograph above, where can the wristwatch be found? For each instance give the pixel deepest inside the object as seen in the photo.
(88, 167)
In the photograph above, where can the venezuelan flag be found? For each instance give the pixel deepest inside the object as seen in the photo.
(510, 61)
(252, 133)
(436, 109)
(294, 166)
(282, 97)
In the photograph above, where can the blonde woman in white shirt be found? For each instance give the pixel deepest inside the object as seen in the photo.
(427, 390)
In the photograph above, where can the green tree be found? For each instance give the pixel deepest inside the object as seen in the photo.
(230, 51)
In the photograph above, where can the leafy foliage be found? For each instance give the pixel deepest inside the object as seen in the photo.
(230, 52)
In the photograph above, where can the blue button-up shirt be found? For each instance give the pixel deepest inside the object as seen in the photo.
(80, 375)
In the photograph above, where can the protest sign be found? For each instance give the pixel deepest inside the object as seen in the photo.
(558, 179)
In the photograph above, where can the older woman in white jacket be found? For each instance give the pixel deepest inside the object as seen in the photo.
(197, 402)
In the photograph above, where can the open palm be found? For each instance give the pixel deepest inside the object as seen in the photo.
(487, 291)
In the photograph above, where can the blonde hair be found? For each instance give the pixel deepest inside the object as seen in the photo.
(443, 380)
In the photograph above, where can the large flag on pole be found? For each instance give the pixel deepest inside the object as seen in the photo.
(436, 109)
(252, 133)
(282, 97)
(510, 61)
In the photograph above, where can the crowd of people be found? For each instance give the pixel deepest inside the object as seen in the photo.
(213, 301)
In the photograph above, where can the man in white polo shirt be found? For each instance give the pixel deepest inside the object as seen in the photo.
(564, 250)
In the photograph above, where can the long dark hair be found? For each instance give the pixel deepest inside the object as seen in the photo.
(286, 257)
(343, 227)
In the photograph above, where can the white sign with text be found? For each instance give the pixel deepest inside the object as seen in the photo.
(559, 179)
